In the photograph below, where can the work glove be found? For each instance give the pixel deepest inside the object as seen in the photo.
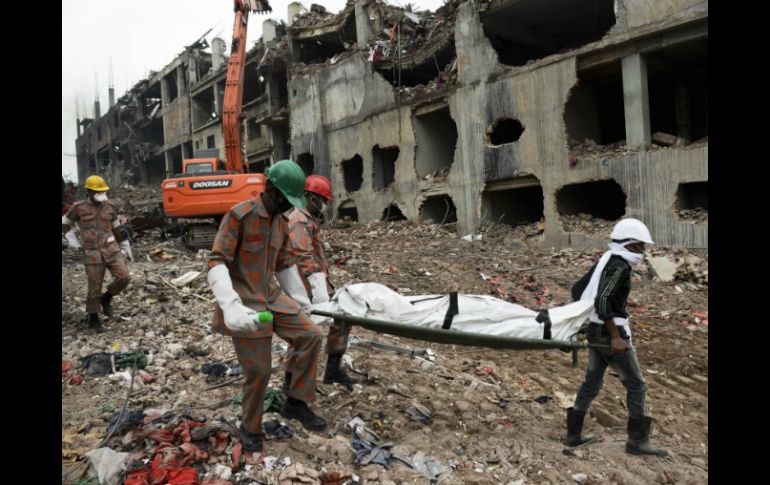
(72, 240)
(125, 248)
(238, 317)
(318, 288)
(292, 285)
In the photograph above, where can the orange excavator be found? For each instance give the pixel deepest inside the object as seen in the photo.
(208, 187)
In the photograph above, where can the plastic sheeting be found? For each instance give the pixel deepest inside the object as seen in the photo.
(477, 313)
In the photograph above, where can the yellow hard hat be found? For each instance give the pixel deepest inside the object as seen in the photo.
(96, 183)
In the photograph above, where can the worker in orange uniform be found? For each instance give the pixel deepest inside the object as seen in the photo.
(103, 245)
(307, 280)
(247, 248)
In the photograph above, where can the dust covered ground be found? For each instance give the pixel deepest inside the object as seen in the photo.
(496, 416)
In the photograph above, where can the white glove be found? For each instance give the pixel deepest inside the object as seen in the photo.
(125, 248)
(238, 317)
(72, 240)
(318, 287)
(292, 285)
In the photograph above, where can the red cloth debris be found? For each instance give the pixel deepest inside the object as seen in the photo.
(219, 441)
(236, 456)
(183, 429)
(76, 380)
(138, 477)
(175, 476)
(65, 367)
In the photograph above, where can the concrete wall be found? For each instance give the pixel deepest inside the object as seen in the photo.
(341, 110)
(644, 12)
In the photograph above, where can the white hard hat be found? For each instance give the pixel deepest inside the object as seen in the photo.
(632, 229)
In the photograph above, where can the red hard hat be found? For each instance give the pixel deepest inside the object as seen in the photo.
(318, 184)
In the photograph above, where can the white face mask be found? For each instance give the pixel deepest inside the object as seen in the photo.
(100, 197)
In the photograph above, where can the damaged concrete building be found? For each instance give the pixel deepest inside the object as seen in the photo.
(512, 111)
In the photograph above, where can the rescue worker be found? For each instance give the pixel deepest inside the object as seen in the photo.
(103, 245)
(307, 280)
(608, 285)
(250, 241)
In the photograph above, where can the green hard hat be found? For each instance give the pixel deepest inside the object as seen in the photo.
(289, 178)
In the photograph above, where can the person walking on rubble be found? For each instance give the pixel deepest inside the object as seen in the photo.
(608, 284)
(307, 279)
(251, 240)
(103, 246)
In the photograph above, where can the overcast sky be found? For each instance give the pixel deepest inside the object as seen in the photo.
(138, 36)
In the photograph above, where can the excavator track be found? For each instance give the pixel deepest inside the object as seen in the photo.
(200, 235)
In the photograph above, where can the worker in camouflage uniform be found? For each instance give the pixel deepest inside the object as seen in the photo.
(103, 245)
(307, 279)
(251, 240)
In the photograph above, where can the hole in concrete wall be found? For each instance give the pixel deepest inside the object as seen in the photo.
(254, 130)
(171, 88)
(421, 74)
(436, 136)
(693, 196)
(252, 87)
(319, 49)
(439, 209)
(151, 99)
(505, 130)
(104, 158)
(353, 173)
(92, 164)
(531, 29)
(176, 159)
(594, 113)
(307, 162)
(393, 213)
(677, 83)
(384, 166)
(603, 199)
(258, 166)
(153, 133)
(513, 201)
(156, 170)
(202, 108)
(210, 141)
(347, 210)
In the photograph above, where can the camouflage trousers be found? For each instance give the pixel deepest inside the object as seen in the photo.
(254, 356)
(336, 343)
(95, 273)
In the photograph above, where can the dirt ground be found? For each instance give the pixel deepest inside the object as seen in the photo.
(490, 421)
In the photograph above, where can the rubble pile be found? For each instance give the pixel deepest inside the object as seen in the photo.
(695, 216)
(452, 415)
(587, 224)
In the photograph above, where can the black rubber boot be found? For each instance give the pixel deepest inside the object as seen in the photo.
(575, 427)
(296, 409)
(250, 441)
(94, 323)
(107, 304)
(639, 438)
(334, 373)
(287, 383)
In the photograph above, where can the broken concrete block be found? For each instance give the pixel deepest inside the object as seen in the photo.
(668, 140)
(664, 267)
(604, 418)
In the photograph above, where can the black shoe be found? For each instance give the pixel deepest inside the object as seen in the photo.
(286, 383)
(334, 373)
(250, 441)
(639, 438)
(107, 304)
(303, 414)
(575, 427)
(94, 323)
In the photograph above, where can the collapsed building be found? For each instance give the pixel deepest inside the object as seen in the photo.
(511, 111)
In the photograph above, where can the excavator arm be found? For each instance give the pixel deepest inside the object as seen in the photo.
(231, 123)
